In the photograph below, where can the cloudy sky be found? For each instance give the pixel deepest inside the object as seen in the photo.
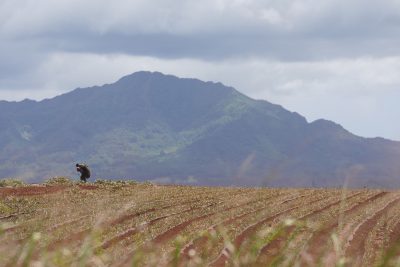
(333, 59)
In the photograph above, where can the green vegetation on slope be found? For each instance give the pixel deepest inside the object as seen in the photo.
(155, 126)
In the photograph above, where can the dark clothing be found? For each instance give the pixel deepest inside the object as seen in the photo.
(84, 170)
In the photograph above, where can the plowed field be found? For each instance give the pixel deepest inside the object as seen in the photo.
(153, 225)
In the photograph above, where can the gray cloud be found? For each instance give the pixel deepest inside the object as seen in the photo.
(288, 30)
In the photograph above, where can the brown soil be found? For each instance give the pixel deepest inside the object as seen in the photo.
(30, 190)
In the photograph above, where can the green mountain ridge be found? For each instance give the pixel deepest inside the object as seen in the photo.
(163, 128)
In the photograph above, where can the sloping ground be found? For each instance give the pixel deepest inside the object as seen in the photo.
(113, 224)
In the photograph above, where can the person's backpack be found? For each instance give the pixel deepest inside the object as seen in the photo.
(86, 170)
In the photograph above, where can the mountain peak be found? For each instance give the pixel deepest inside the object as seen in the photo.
(151, 125)
(145, 76)
(154, 76)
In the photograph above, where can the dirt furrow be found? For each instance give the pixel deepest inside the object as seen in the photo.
(165, 236)
(175, 230)
(394, 238)
(200, 241)
(127, 217)
(250, 230)
(132, 231)
(391, 246)
(183, 226)
(320, 210)
(31, 191)
(271, 250)
(88, 187)
(318, 242)
(355, 248)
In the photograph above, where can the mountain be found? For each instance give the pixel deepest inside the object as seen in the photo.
(150, 126)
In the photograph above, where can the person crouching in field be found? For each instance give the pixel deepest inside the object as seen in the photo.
(84, 170)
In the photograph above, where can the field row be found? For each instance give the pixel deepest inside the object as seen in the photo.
(199, 226)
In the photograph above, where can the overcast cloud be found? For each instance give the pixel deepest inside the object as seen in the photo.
(338, 60)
